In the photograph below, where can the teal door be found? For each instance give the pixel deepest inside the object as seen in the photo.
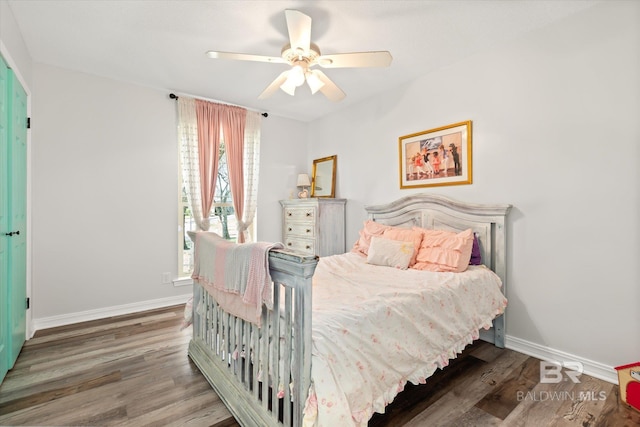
(13, 218)
(4, 221)
(17, 217)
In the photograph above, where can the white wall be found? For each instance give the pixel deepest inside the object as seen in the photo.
(555, 133)
(12, 46)
(282, 157)
(105, 186)
(104, 193)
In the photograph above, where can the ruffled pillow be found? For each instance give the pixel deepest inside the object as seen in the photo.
(444, 250)
(370, 229)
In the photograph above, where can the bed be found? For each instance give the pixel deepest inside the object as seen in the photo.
(341, 335)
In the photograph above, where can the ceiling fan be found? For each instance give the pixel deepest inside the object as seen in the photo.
(302, 55)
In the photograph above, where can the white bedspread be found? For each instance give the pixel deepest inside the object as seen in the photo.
(375, 328)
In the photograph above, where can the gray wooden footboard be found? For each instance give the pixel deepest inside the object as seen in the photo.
(261, 374)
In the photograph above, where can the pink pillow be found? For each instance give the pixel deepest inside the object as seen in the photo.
(405, 235)
(370, 229)
(444, 250)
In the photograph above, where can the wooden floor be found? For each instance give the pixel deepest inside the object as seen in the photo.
(134, 370)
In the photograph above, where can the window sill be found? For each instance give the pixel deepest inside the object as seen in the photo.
(182, 281)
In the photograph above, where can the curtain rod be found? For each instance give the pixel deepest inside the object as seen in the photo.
(174, 96)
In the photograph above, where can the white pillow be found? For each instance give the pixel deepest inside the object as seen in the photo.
(391, 253)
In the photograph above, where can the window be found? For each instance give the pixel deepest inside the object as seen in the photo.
(222, 218)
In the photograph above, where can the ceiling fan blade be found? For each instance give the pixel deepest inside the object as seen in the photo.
(329, 89)
(245, 57)
(275, 85)
(299, 26)
(355, 59)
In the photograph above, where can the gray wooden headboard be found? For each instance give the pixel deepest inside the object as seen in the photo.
(442, 213)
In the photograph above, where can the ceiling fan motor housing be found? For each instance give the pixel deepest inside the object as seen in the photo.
(293, 55)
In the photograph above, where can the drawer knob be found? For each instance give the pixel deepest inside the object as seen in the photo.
(308, 230)
(308, 213)
(290, 228)
(289, 244)
(308, 247)
(289, 213)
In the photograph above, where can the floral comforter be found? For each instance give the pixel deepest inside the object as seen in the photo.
(375, 328)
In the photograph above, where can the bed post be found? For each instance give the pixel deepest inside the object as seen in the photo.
(500, 268)
(295, 271)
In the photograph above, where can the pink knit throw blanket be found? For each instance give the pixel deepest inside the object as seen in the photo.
(236, 275)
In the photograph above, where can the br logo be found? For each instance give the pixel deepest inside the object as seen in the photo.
(551, 371)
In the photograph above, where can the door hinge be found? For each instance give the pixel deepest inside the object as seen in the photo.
(28, 122)
(28, 303)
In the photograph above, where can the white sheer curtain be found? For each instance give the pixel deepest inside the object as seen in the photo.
(188, 135)
(251, 172)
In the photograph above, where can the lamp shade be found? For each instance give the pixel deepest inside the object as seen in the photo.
(296, 76)
(303, 180)
(314, 82)
(288, 87)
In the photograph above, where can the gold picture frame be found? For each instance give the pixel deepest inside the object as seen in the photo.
(323, 181)
(436, 157)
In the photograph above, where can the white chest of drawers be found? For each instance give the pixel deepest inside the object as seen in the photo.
(314, 226)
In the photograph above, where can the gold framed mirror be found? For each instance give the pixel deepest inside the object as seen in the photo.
(323, 181)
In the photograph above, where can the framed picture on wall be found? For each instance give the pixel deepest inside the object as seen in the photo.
(436, 157)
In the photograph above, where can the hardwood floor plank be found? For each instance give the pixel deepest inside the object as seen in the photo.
(500, 401)
(537, 405)
(164, 394)
(63, 366)
(37, 398)
(473, 417)
(174, 412)
(67, 411)
(69, 333)
(583, 403)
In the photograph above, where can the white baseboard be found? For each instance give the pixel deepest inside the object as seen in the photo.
(101, 313)
(592, 368)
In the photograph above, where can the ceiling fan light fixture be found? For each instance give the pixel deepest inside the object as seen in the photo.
(296, 76)
(314, 82)
(288, 87)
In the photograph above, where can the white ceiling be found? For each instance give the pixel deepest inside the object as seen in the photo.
(162, 44)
